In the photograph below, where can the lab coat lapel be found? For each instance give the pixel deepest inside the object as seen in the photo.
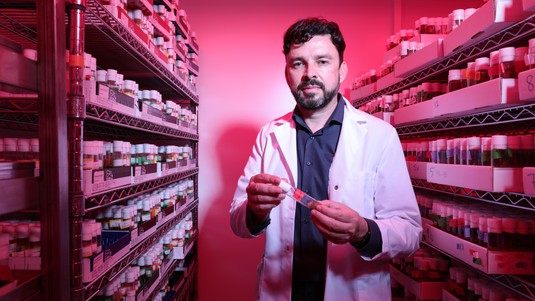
(349, 150)
(286, 143)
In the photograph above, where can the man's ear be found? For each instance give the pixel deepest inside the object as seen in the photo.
(343, 71)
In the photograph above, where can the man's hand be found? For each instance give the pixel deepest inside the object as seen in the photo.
(263, 194)
(339, 223)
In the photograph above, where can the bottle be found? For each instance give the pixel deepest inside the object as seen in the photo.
(527, 150)
(495, 233)
(450, 151)
(454, 80)
(441, 151)
(507, 62)
(501, 155)
(530, 56)
(513, 144)
(298, 195)
(470, 74)
(494, 64)
(482, 70)
(486, 146)
(457, 150)
(474, 151)
(520, 62)
(458, 18)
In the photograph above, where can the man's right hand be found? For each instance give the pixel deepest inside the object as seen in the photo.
(263, 194)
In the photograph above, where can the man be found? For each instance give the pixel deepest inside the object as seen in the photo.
(348, 160)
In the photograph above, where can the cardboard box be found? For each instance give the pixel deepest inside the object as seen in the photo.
(528, 180)
(417, 170)
(487, 261)
(25, 263)
(165, 215)
(115, 245)
(526, 85)
(120, 102)
(419, 60)
(493, 94)
(490, 18)
(414, 113)
(146, 172)
(485, 178)
(96, 181)
(182, 165)
(422, 290)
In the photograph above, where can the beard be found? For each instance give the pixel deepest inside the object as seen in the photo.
(314, 102)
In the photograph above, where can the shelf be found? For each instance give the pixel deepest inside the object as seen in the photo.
(524, 285)
(92, 288)
(15, 30)
(116, 195)
(19, 194)
(19, 74)
(164, 279)
(509, 120)
(29, 286)
(515, 200)
(522, 30)
(108, 39)
(102, 120)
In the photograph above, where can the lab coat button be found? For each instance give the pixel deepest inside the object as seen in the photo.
(335, 187)
(309, 163)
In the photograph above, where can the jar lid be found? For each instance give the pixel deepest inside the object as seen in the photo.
(454, 74)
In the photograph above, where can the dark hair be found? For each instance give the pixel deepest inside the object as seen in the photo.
(305, 29)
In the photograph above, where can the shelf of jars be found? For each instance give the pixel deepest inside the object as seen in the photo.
(99, 200)
(185, 286)
(520, 31)
(133, 250)
(108, 38)
(516, 200)
(172, 268)
(514, 119)
(521, 284)
(104, 120)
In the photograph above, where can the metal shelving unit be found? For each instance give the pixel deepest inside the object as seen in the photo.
(513, 119)
(69, 120)
(520, 31)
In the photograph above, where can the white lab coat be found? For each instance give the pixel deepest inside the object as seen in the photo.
(368, 174)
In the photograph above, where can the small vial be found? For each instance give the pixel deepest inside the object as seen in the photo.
(510, 234)
(404, 48)
(474, 227)
(507, 62)
(466, 225)
(441, 151)
(423, 25)
(388, 103)
(520, 62)
(482, 70)
(117, 153)
(495, 233)
(483, 231)
(450, 151)
(433, 150)
(457, 150)
(88, 155)
(454, 80)
(527, 150)
(501, 155)
(486, 147)
(470, 74)
(530, 56)
(458, 18)
(468, 12)
(474, 151)
(494, 64)
(430, 28)
(513, 144)
(523, 241)
(298, 195)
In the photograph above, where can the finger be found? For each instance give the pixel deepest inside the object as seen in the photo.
(264, 189)
(265, 178)
(332, 225)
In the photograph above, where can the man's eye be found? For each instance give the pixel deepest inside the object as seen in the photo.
(297, 64)
(323, 62)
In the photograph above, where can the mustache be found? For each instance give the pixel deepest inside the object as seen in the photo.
(311, 82)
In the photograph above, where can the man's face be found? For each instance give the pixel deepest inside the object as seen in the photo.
(314, 73)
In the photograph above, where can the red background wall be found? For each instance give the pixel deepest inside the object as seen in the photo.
(242, 86)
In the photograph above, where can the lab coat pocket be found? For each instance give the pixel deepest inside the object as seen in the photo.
(356, 190)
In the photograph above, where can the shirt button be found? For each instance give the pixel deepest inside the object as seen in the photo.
(335, 187)
(309, 163)
(312, 138)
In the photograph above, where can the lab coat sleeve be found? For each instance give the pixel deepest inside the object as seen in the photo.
(396, 211)
(238, 208)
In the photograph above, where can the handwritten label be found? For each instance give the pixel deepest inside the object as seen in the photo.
(529, 82)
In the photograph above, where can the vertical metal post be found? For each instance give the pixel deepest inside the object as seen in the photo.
(53, 150)
(76, 116)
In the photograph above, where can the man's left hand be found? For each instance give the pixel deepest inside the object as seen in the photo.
(338, 223)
